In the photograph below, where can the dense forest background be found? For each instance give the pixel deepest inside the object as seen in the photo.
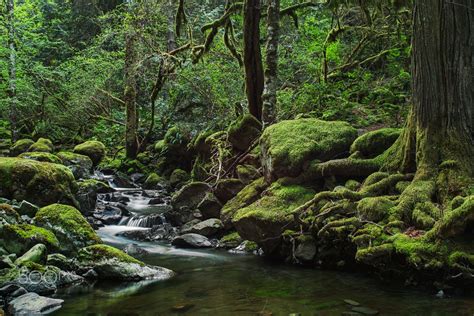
(347, 62)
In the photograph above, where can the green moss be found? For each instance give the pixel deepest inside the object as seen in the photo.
(20, 238)
(374, 209)
(70, 227)
(462, 261)
(247, 196)
(455, 222)
(401, 186)
(200, 145)
(41, 183)
(152, 181)
(41, 156)
(419, 252)
(374, 178)
(8, 215)
(42, 145)
(101, 252)
(21, 146)
(287, 146)
(276, 203)
(160, 146)
(244, 131)
(247, 173)
(352, 185)
(178, 177)
(231, 240)
(372, 255)
(374, 143)
(93, 149)
(69, 158)
(93, 185)
(416, 192)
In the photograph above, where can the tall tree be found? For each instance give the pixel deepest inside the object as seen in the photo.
(271, 72)
(13, 107)
(441, 125)
(130, 94)
(254, 76)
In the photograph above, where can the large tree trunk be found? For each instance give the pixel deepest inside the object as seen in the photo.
(171, 37)
(254, 77)
(271, 73)
(130, 96)
(13, 106)
(441, 125)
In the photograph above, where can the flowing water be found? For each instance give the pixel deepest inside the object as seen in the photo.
(214, 282)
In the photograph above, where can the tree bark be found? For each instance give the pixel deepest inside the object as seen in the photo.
(171, 37)
(441, 125)
(254, 76)
(271, 73)
(13, 100)
(130, 96)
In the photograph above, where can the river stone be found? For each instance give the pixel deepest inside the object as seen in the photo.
(95, 150)
(244, 131)
(365, 310)
(306, 250)
(208, 227)
(191, 241)
(80, 165)
(210, 207)
(33, 304)
(37, 254)
(134, 250)
(110, 215)
(27, 208)
(61, 261)
(190, 195)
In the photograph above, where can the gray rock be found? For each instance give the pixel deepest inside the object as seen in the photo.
(8, 289)
(365, 310)
(34, 304)
(210, 207)
(191, 241)
(37, 254)
(228, 188)
(134, 250)
(27, 208)
(306, 250)
(190, 195)
(19, 292)
(61, 261)
(208, 227)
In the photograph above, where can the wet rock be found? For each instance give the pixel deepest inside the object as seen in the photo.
(88, 191)
(37, 254)
(186, 228)
(138, 235)
(177, 217)
(110, 215)
(351, 302)
(80, 165)
(190, 195)
(113, 264)
(209, 227)
(8, 215)
(153, 181)
(210, 207)
(27, 208)
(138, 177)
(244, 131)
(306, 250)
(156, 201)
(232, 240)
(33, 304)
(191, 241)
(93, 149)
(8, 289)
(91, 275)
(245, 247)
(21, 291)
(365, 310)
(134, 250)
(227, 189)
(61, 261)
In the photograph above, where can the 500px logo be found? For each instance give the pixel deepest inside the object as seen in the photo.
(48, 278)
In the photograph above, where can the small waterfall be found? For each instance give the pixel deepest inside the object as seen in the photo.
(144, 221)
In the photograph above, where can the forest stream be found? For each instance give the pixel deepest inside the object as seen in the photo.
(222, 283)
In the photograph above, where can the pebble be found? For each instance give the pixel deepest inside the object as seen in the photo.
(182, 308)
(365, 310)
(351, 302)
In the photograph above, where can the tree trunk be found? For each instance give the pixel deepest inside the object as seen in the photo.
(441, 125)
(130, 95)
(271, 73)
(171, 37)
(13, 106)
(254, 77)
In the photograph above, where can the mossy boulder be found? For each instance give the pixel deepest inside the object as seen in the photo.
(178, 178)
(37, 254)
(40, 183)
(93, 149)
(41, 156)
(190, 195)
(20, 238)
(69, 226)
(80, 165)
(21, 146)
(226, 189)
(231, 240)
(244, 131)
(289, 146)
(210, 207)
(42, 145)
(114, 264)
(247, 173)
(152, 181)
(87, 192)
(374, 143)
(245, 197)
(265, 220)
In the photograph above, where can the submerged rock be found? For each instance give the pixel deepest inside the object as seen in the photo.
(114, 264)
(287, 147)
(34, 304)
(40, 183)
(191, 241)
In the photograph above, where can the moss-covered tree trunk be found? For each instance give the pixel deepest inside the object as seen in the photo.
(254, 77)
(130, 95)
(440, 129)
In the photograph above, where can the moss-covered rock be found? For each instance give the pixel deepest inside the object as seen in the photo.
(244, 131)
(93, 149)
(80, 165)
(266, 219)
(69, 226)
(247, 173)
(190, 195)
(42, 145)
(152, 181)
(40, 183)
(245, 197)
(18, 239)
(288, 147)
(21, 146)
(8, 215)
(210, 207)
(226, 189)
(178, 178)
(374, 143)
(231, 240)
(41, 156)
(87, 192)
(111, 263)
